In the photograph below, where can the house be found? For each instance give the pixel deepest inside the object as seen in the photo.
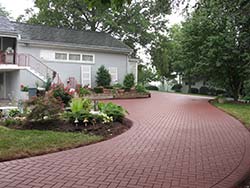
(29, 54)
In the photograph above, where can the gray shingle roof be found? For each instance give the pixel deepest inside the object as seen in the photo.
(6, 25)
(68, 36)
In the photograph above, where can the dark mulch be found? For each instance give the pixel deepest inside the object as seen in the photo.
(245, 183)
(106, 130)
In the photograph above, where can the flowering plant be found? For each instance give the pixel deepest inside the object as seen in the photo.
(24, 88)
(62, 93)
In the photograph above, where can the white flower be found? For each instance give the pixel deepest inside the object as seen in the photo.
(46, 117)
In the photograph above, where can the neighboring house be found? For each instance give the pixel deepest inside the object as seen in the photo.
(29, 54)
(195, 84)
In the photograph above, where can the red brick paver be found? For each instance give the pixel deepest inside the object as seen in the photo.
(177, 141)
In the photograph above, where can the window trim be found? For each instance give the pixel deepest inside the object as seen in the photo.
(74, 54)
(74, 61)
(61, 53)
(117, 79)
(90, 74)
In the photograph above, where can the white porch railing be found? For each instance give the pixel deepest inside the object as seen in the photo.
(33, 63)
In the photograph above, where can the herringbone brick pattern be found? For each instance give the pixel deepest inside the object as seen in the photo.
(176, 141)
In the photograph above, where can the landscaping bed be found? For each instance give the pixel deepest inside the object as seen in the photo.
(58, 120)
(125, 95)
(99, 129)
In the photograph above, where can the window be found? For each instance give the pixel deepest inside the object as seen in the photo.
(75, 57)
(61, 56)
(113, 73)
(87, 58)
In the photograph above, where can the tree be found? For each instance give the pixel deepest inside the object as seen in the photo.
(216, 43)
(146, 75)
(122, 22)
(103, 77)
(3, 12)
(161, 58)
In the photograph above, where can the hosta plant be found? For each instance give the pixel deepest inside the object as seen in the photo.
(112, 110)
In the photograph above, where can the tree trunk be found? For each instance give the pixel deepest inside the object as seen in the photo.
(189, 84)
(236, 91)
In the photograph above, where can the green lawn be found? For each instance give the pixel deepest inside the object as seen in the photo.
(240, 111)
(24, 143)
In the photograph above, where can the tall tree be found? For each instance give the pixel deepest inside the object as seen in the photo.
(146, 74)
(166, 54)
(216, 43)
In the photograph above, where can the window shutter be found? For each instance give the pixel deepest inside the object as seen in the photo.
(114, 74)
(86, 75)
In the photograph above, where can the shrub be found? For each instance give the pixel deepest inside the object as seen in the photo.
(83, 92)
(246, 98)
(47, 84)
(59, 92)
(108, 87)
(220, 92)
(112, 110)
(118, 86)
(140, 88)
(220, 99)
(129, 81)
(204, 90)
(212, 91)
(11, 122)
(98, 89)
(150, 87)
(103, 78)
(44, 108)
(194, 90)
(177, 87)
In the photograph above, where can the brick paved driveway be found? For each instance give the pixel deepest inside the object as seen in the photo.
(176, 141)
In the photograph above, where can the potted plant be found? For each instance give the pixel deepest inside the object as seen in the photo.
(24, 92)
(9, 55)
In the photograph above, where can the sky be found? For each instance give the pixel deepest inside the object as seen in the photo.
(17, 7)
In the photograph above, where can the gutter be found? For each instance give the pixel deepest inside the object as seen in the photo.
(8, 34)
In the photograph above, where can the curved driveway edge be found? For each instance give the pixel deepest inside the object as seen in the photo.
(177, 141)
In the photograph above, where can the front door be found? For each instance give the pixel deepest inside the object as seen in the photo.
(2, 85)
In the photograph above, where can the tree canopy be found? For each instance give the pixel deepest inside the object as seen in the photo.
(136, 23)
(4, 12)
(213, 43)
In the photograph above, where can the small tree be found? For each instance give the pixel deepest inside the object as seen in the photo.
(103, 78)
(129, 81)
